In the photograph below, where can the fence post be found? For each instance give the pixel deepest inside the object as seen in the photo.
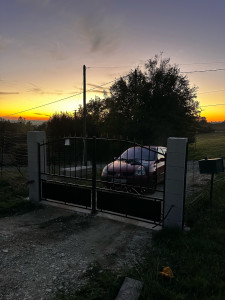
(2, 152)
(94, 176)
(175, 183)
(35, 163)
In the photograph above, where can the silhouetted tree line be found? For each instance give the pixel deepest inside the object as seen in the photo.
(148, 106)
(21, 126)
(203, 126)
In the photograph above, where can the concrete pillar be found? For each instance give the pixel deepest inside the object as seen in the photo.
(33, 139)
(175, 182)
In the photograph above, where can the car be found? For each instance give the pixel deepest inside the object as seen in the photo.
(139, 166)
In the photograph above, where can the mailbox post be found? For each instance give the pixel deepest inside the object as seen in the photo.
(211, 166)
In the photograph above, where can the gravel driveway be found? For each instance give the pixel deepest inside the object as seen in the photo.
(50, 249)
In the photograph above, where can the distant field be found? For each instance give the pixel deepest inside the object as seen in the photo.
(218, 126)
(209, 145)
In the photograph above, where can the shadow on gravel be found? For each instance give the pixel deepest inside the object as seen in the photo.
(50, 250)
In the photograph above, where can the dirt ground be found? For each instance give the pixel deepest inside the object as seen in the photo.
(50, 250)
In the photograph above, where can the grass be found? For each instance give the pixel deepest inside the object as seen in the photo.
(218, 126)
(196, 257)
(102, 284)
(209, 145)
(13, 191)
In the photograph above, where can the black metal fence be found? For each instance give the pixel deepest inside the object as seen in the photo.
(13, 156)
(101, 175)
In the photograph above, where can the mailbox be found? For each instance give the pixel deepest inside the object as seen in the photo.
(210, 166)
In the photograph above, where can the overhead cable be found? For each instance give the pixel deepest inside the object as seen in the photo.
(203, 71)
(74, 95)
(62, 99)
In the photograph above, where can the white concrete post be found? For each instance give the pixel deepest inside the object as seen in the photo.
(33, 139)
(175, 182)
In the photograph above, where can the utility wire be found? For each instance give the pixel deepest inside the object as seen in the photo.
(32, 108)
(203, 63)
(49, 103)
(212, 92)
(183, 72)
(218, 104)
(203, 71)
(74, 95)
(187, 64)
(113, 67)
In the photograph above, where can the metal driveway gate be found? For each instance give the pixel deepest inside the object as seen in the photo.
(91, 173)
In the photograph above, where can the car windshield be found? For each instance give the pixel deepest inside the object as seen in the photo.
(137, 153)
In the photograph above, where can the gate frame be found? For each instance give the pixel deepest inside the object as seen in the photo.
(174, 191)
(36, 163)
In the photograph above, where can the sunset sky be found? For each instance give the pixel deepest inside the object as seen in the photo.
(45, 43)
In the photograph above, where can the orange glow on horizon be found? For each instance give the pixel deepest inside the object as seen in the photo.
(11, 104)
(211, 114)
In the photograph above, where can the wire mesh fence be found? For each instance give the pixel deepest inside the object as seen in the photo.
(14, 159)
(14, 165)
(197, 183)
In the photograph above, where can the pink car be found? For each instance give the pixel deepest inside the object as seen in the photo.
(137, 166)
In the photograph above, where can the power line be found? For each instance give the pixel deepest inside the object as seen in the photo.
(187, 64)
(32, 108)
(74, 95)
(184, 72)
(218, 104)
(202, 71)
(203, 63)
(49, 103)
(212, 92)
(112, 67)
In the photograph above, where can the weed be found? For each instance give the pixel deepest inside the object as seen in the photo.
(209, 145)
(11, 198)
(196, 258)
(102, 284)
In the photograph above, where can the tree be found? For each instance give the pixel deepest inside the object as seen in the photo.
(153, 104)
(96, 112)
(147, 105)
(203, 126)
(63, 124)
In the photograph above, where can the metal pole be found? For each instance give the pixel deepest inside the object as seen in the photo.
(84, 100)
(94, 176)
(39, 171)
(2, 153)
(211, 188)
(84, 116)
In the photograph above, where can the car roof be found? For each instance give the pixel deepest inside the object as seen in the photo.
(154, 148)
(147, 146)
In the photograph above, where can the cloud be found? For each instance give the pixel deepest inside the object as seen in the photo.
(98, 89)
(32, 52)
(57, 51)
(40, 2)
(98, 92)
(37, 90)
(9, 93)
(39, 114)
(101, 34)
(53, 50)
(4, 42)
(94, 85)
